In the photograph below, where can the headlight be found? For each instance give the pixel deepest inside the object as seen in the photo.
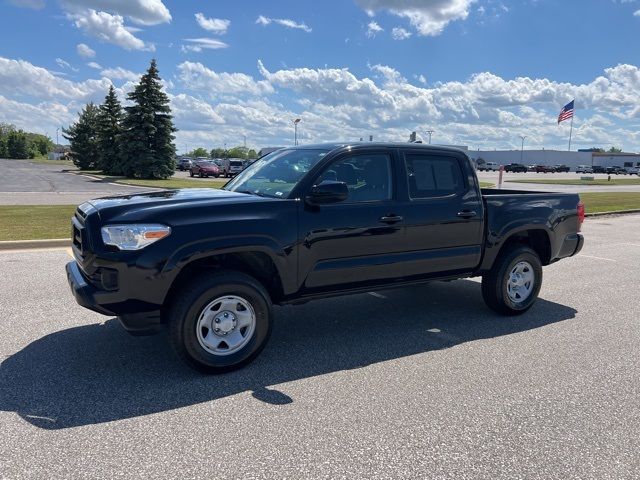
(133, 237)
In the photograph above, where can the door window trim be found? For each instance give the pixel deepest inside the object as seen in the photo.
(455, 158)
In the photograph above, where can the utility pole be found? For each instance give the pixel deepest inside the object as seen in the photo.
(522, 146)
(245, 141)
(57, 130)
(430, 132)
(295, 130)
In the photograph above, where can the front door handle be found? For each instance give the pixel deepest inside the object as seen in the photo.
(391, 219)
(467, 214)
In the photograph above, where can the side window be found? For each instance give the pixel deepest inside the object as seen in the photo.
(433, 176)
(368, 177)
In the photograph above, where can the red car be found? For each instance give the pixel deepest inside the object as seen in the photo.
(545, 169)
(204, 169)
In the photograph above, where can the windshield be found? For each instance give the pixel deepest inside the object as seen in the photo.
(276, 174)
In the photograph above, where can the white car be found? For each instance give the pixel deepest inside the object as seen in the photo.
(632, 170)
(584, 169)
(489, 167)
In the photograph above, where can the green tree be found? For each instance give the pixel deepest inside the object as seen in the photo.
(614, 150)
(218, 153)
(17, 145)
(251, 154)
(109, 130)
(238, 152)
(39, 144)
(147, 137)
(4, 152)
(83, 138)
(198, 152)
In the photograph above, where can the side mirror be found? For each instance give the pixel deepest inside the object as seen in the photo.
(328, 191)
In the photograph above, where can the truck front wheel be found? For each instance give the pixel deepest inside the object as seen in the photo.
(512, 285)
(220, 321)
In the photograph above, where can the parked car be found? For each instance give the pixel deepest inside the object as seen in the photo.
(205, 168)
(561, 168)
(230, 166)
(599, 169)
(615, 170)
(545, 169)
(531, 168)
(515, 168)
(209, 264)
(584, 169)
(631, 170)
(489, 167)
(184, 164)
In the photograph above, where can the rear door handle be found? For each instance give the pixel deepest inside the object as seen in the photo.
(467, 214)
(391, 219)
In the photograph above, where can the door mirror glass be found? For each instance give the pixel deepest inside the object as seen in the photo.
(328, 191)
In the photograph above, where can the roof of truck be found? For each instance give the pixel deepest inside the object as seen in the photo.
(335, 145)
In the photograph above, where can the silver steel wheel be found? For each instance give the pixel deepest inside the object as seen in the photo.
(521, 282)
(226, 325)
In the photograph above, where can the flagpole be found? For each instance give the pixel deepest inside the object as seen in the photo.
(571, 130)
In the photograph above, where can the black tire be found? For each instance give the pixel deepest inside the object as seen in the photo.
(194, 297)
(495, 282)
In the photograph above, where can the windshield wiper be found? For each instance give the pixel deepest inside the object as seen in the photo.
(251, 192)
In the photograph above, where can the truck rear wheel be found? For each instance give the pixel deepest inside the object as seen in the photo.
(512, 285)
(220, 321)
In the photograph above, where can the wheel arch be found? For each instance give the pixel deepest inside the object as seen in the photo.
(536, 238)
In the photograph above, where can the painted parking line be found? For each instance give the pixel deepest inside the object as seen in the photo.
(596, 258)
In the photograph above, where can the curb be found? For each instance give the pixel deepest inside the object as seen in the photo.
(94, 177)
(31, 244)
(614, 212)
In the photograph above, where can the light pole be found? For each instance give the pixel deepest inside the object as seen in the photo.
(522, 146)
(295, 130)
(57, 130)
(430, 132)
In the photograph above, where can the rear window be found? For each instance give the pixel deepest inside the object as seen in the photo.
(433, 176)
(235, 164)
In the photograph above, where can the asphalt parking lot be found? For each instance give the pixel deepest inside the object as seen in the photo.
(26, 183)
(422, 382)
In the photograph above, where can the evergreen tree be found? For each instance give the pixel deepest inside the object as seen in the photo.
(84, 139)
(4, 152)
(17, 145)
(147, 149)
(109, 129)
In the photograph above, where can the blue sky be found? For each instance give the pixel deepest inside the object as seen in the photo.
(479, 73)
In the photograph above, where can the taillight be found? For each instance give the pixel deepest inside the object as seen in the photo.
(580, 215)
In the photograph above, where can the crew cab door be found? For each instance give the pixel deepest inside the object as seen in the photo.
(353, 241)
(443, 212)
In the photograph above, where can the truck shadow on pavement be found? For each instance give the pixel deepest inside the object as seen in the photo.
(98, 373)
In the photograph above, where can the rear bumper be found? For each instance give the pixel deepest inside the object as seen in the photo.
(88, 296)
(571, 246)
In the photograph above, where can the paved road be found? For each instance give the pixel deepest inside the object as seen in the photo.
(423, 382)
(26, 183)
(510, 180)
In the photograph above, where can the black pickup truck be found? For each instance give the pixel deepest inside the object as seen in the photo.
(304, 223)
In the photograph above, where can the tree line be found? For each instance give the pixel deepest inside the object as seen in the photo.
(235, 152)
(135, 141)
(15, 143)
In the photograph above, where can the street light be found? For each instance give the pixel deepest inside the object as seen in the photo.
(522, 146)
(429, 132)
(295, 130)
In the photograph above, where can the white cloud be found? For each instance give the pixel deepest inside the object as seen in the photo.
(195, 76)
(66, 65)
(428, 17)
(199, 44)
(142, 12)
(108, 28)
(217, 26)
(285, 22)
(95, 65)
(19, 77)
(373, 28)
(85, 51)
(120, 73)
(399, 33)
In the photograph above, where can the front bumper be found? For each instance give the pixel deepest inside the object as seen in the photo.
(88, 296)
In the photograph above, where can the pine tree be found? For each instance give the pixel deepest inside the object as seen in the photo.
(147, 139)
(84, 138)
(109, 129)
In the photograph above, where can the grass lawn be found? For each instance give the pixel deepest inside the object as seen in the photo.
(577, 181)
(486, 185)
(35, 222)
(174, 182)
(610, 201)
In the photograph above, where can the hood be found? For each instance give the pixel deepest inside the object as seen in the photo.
(121, 205)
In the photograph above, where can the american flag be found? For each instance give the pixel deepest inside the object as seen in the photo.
(567, 112)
